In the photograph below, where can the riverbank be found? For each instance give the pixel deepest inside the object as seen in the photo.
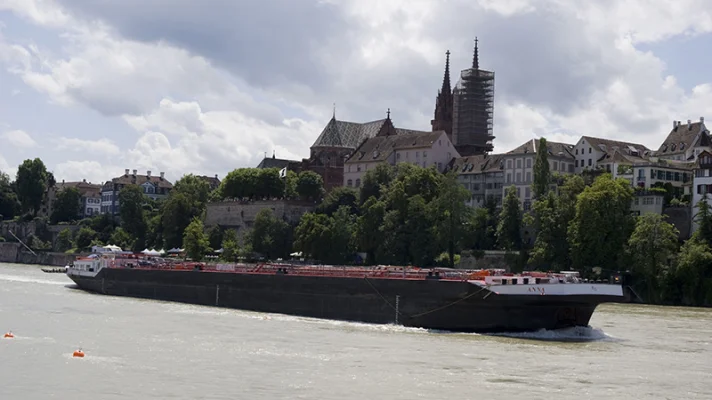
(14, 253)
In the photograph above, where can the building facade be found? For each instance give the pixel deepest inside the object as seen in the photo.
(483, 176)
(702, 184)
(685, 142)
(593, 153)
(154, 187)
(519, 166)
(425, 149)
(90, 200)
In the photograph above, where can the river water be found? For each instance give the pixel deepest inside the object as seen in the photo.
(142, 349)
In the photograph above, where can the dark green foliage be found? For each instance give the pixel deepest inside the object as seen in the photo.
(542, 176)
(195, 242)
(32, 183)
(509, 235)
(67, 206)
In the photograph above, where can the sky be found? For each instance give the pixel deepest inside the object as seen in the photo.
(182, 86)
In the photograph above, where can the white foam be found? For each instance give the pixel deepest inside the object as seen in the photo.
(573, 334)
(15, 278)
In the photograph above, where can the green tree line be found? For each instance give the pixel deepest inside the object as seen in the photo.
(404, 215)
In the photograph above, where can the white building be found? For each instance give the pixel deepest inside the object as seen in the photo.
(155, 187)
(483, 176)
(685, 142)
(519, 166)
(591, 152)
(425, 149)
(702, 183)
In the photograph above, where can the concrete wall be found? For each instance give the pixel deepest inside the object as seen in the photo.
(241, 215)
(14, 253)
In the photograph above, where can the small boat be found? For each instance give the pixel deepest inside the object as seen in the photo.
(58, 270)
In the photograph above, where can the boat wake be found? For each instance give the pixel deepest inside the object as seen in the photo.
(15, 278)
(573, 334)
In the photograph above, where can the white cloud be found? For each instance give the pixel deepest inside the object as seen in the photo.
(89, 148)
(19, 139)
(92, 171)
(563, 70)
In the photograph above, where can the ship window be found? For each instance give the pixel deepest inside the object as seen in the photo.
(504, 281)
(514, 280)
(525, 281)
(537, 280)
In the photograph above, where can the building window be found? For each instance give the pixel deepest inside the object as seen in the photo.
(358, 182)
(576, 151)
(358, 168)
(556, 166)
(509, 178)
(589, 162)
(576, 163)
(349, 183)
(519, 177)
(509, 164)
(571, 168)
(529, 162)
(589, 150)
(425, 153)
(519, 163)
(527, 192)
(519, 192)
(529, 177)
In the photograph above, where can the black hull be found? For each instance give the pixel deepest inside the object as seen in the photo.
(430, 304)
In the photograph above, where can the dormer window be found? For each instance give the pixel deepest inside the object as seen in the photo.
(664, 148)
(672, 147)
(682, 146)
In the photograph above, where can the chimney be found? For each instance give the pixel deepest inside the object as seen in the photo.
(702, 120)
(148, 174)
(216, 176)
(134, 172)
(126, 171)
(163, 174)
(689, 124)
(84, 180)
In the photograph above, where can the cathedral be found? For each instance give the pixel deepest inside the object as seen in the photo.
(465, 112)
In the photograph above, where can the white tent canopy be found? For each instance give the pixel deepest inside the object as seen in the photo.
(151, 252)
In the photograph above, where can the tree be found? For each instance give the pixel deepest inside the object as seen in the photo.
(703, 218)
(369, 228)
(270, 185)
(546, 222)
(509, 236)
(341, 231)
(693, 273)
(310, 185)
(542, 176)
(340, 196)
(67, 205)
(132, 217)
(121, 238)
(602, 224)
(480, 230)
(270, 236)
(451, 213)
(9, 203)
(195, 189)
(64, 240)
(290, 185)
(651, 247)
(194, 241)
(84, 238)
(178, 211)
(32, 183)
(374, 181)
(230, 245)
(312, 234)
(215, 237)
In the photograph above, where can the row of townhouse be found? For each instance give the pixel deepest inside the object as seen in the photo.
(683, 162)
(104, 198)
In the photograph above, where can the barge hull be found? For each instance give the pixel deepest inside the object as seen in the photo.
(431, 304)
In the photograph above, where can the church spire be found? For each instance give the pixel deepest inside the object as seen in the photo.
(446, 77)
(476, 57)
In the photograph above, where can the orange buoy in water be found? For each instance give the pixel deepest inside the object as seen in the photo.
(78, 353)
(9, 335)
